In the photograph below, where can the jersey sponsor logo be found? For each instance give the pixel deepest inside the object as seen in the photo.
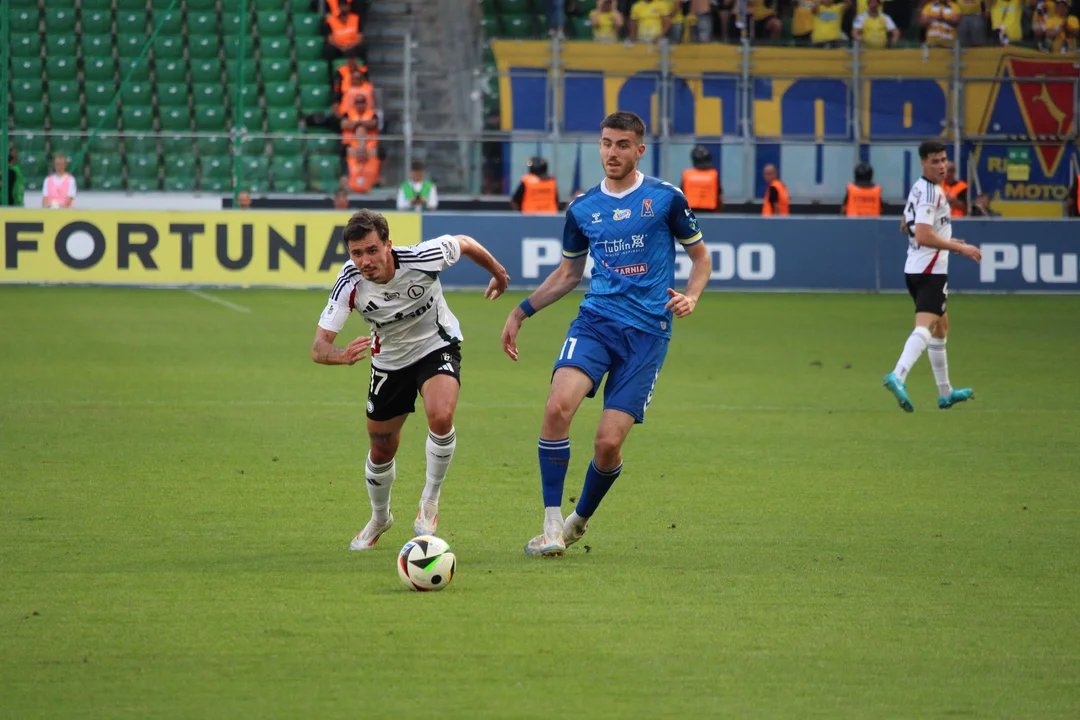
(621, 214)
(398, 316)
(596, 218)
(621, 245)
(635, 269)
(388, 296)
(415, 292)
(646, 208)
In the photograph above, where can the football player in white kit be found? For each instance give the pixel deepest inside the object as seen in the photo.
(928, 224)
(414, 347)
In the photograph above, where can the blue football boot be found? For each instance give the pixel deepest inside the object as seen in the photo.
(894, 385)
(956, 396)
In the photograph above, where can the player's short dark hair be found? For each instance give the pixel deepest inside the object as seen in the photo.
(930, 147)
(625, 120)
(362, 223)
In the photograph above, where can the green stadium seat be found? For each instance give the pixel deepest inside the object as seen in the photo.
(307, 24)
(287, 144)
(489, 7)
(130, 5)
(130, 23)
(26, 68)
(209, 94)
(286, 168)
(64, 116)
(274, 48)
(101, 147)
(26, 45)
(23, 4)
(272, 24)
(170, 71)
(249, 94)
(181, 166)
(584, 7)
(201, 5)
(275, 71)
(232, 47)
(254, 166)
(253, 147)
(172, 95)
(514, 7)
(311, 73)
(61, 91)
(103, 163)
(309, 48)
(170, 23)
(96, 22)
(99, 69)
(59, 20)
(29, 115)
(28, 141)
(179, 182)
(314, 98)
(141, 185)
(323, 143)
(215, 168)
(26, 90)
(137, 93)
(96, 5)
(176, 144)
(65, 144)
(106, 181)
(139, 143)
(232, 71)
(282, 120)
(101, 116)
(580, 29)
(259, 6)
(61, 68)
(250, 118)
(137, 118)
(517, 26)
(200, 23)
(60, 45)
(23, 22)
(130, 45)
(489, 26)
(205, 71)
(139, 69)
(34, 164)
(96, 46)
(209, 118)
(203, 47)
(280, 95)
(168, 47)
(98, 93)
(231, 25)
(324, 172)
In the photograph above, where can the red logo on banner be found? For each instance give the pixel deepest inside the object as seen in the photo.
(1047, 107)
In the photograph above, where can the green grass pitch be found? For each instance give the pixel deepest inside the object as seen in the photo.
(179, 484)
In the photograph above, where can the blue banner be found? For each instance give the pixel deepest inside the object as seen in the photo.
(791, 254)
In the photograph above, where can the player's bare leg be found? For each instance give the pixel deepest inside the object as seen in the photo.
(379, 471)
(440, 394)
(569, 386)
(604, 469)
(939, 363)
(896, 381)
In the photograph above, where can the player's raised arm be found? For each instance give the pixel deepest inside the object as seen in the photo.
(476, 252)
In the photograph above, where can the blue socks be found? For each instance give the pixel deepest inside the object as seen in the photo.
(554, 461)
(597, 483)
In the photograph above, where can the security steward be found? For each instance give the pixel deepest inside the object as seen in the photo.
(537, 193)
(863, 197)
(701, 183)
(777, 201)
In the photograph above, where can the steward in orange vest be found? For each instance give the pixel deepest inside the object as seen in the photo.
(777, 201)
(701, 184)
(537, 192)
(956, 191)
(863, 198)
(343, 36)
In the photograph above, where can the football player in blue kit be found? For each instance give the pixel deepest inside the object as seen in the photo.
(629, 225)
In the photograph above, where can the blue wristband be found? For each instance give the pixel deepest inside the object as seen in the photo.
(527, 308)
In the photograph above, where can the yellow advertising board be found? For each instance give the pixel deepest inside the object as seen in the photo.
(226, 249)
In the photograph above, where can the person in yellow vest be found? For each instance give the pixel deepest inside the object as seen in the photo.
(956, 191)
(417, 193)
(606, 22)
(802, 21)
(940, 18)
(650, 20)
(971, 28)
(537, 193)
(1006, 19)
(863, 197)
(1062, 29)
(701, 183)
(777, 200)
(767, 25)
(874, 29)
(1072, 202)
(828, 23)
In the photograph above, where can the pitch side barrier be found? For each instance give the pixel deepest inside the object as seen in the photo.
(304, 249)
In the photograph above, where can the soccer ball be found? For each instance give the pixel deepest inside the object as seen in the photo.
(426, 563)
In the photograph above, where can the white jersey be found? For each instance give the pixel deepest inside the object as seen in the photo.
(409, 317)
(927, 205)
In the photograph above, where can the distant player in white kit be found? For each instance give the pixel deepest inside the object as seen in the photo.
(928, 224)
(414, 346)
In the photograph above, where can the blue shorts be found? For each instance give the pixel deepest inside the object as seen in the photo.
(631, 358)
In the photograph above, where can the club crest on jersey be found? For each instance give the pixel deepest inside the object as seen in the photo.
(415, 291)
(646, 208)
(596, 218)
(621, 214)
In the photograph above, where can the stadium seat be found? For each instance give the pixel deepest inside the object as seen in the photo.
(489, 7)
(26, 45)
(172, 95)
(170, 71)
(208, 94)
(324, 172)
(96, 46)
(136, 93)
(26, 90)
(232, 71)
(231, 25)
(61, 91)
(108, 180)
(99, 69)
(307, 24)
(209, 118)
(205, 71)
(259, 6)
(140, 185)
(142, 166)
(131, 23)
(213, 146)
(280, 95)
(253, 147)
(275, 48)
(282, 120)
(252, 166)
(105, 145)
(101, 117)
(61, 68)
(137, 118)
(64, 143)
(201, 5)
(170, 23)
(23, 4)
(139, 143)
(95, 5)
(287, 144)
(203, 47)
(314, 98)
(60, 45)
(130, 5)
(216, 172)
(98, 93)
(28, 68)
(201, 24)
(139, 69)
(517, 26)
(309, 49)
(250, 118)
(232, 47)
(580, 28)
(28, 141)
(23, 22)
(272, 24)
(311, 73)
(489, 26)
(34, 164)
(275, 71)
(514, 7)
(322, 143)
(102, 162)
(182, 181)
(96, 22)
(168, 48)
(64, 116)
(176, 144)
(584, 7)
(29, 115)
(59, 20)
(287, 171)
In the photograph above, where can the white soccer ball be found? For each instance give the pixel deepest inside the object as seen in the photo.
(426, 563)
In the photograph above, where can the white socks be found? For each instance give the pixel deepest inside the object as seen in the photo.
(913, 348)
(380, 478)
(939, 362)
(553, 521)
(440, 451)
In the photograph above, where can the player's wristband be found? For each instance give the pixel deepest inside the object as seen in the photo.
(527, 308)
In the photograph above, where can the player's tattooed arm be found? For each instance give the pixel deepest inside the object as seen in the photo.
(324, 352)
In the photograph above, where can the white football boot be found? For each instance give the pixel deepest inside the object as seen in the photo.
(426, 522)
(366, 538)
(550, 544)
(574, 527)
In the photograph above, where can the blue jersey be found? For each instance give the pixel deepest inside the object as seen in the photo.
(631, 238)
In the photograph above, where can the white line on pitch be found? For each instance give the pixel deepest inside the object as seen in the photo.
(219, 301)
